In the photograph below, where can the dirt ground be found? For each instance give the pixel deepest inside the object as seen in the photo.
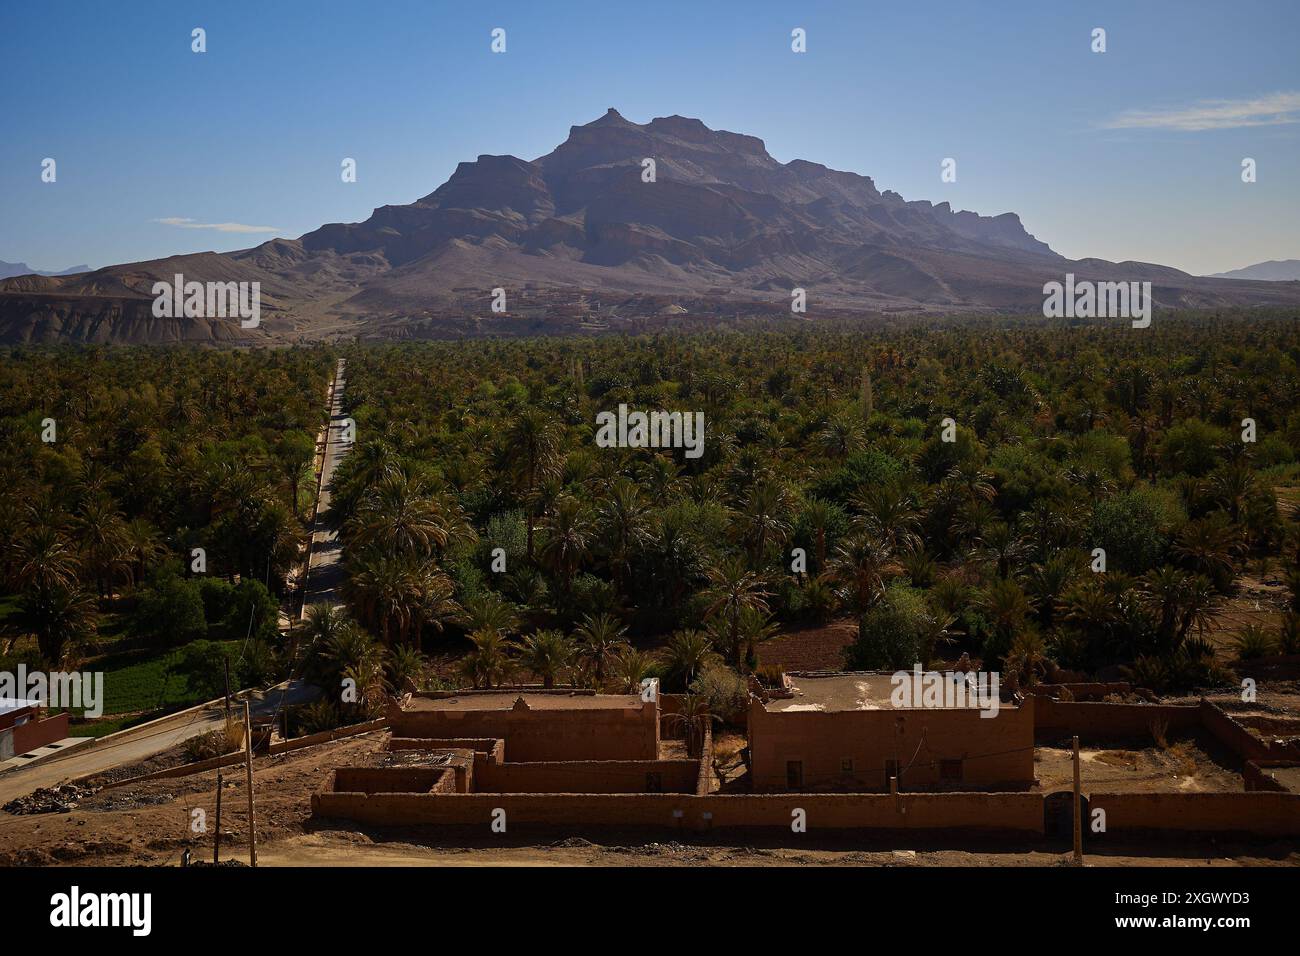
(150, 824)
(811, 648)
(1182, 766)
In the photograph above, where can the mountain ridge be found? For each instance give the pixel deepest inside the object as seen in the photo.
(721, 220)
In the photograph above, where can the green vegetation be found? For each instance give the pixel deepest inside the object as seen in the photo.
(147, 501)
(954, 487)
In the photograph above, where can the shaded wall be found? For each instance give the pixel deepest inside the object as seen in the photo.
(545, 734)
(994, 752)
(997, 812)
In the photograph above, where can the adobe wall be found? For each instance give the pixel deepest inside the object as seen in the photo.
(543, 734)
(1240, 740)
(38, 733)
(390, 779)
(1093, 722)
(1000, 812)
(995, 751)
(491, 746)
(586, 776)
(1258, 813)
(325, 736)
(1258, 774)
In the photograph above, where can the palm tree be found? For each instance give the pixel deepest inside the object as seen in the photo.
(860, 564)
(399, 515)
(623, 526)
(1047, 582)
(819, 516)
(434, 604)
(489, 664)
(59, 616)
(43, 559)
(567, 541)
(685, 656)
(888, 513)
(839, 437)
(600, 639)
(102, 538)
(488, 611)
(403, 669)
(1206, 546)
(1006, 607)
(734, 589)
(143, 547)
(764, 517)
(1003, 546)
(695, 720)
(547, 654)
(384, 592)
(630, 668)
(755, 627)
(532, 451)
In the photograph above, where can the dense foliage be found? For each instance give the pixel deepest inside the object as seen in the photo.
(1065, 439)
(116, 464)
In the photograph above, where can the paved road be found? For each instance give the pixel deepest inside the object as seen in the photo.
(324, 571)
(143, 742)
(323, 575)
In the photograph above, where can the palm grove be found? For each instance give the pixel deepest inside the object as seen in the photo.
(481, 523)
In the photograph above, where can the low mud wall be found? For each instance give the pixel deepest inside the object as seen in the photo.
(1258, 813)
(325, 736)
(1094, 722)
(393, 780)
(587, 776)
(997, 812)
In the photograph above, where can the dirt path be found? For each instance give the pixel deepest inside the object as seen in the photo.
(324, 572)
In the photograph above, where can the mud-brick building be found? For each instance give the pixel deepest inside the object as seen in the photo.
(23, 727)
(538, 725)
(842, 732)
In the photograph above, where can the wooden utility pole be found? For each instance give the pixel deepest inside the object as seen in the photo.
(248, 772)
(1078, 810)
(216, 840)
(226, 661)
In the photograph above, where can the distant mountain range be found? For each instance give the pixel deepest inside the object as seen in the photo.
(722, 222)
(1275, 270)
(11, 269)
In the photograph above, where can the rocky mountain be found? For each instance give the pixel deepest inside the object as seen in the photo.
(1275, 270)
(721, 221)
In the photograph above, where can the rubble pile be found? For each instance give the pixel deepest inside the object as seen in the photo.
(58, 799)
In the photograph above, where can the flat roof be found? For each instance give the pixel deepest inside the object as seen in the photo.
(837, 693)
(505, 700)
(6, 705)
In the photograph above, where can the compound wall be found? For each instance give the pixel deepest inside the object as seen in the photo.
(584, 733)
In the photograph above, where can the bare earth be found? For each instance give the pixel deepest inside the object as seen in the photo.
(149, 824)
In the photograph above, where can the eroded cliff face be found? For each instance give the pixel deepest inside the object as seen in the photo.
(31, 320)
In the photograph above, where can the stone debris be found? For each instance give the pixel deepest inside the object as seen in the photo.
(58, 799)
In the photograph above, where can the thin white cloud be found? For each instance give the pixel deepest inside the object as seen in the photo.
(1273, 109)
(181, 223)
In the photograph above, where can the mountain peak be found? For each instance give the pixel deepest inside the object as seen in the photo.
(612, 117)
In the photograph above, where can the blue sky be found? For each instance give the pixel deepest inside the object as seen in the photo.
(1134, 153)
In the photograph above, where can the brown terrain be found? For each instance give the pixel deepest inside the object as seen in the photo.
(148, 823)
(581, 243)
